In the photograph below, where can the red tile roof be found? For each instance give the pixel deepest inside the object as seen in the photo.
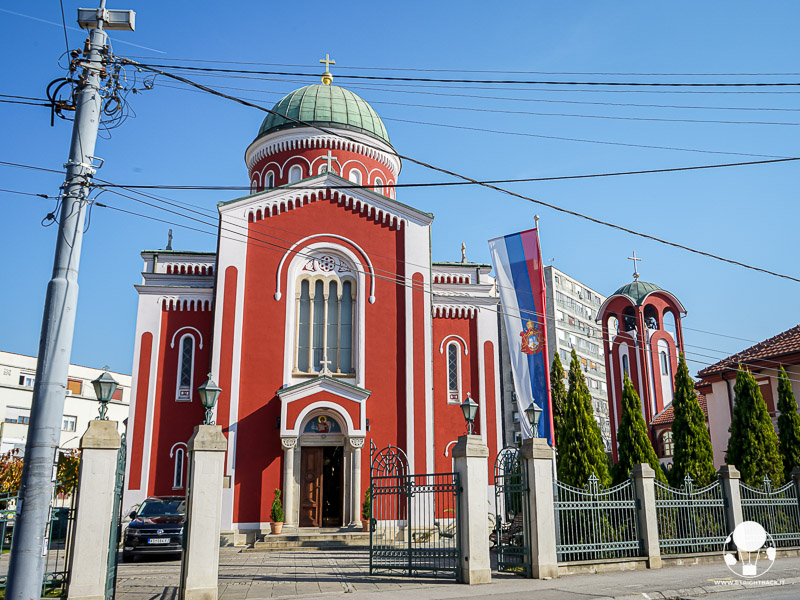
(667, 416)
(784, 343)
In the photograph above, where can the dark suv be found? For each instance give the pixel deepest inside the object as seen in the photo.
(156, 527)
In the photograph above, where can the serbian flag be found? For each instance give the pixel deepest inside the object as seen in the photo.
(517, 260)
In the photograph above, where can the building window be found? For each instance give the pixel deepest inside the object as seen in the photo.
(667, 446)
(177, 472)
(664, 363)
(355, 176)
(27, 379)
(185, 368)
(453, 373)
(295, 174)
(379, 185)
(74, 387)
(69, 423)
(269, 180)
(625, 366)
(325, 325)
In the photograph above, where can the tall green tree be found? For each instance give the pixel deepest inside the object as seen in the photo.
(580, 445)
(753, 444)
(633, 443)
(693, 453)
(788, 425)
(558, 394)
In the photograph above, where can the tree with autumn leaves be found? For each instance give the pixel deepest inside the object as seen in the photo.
(11, 472)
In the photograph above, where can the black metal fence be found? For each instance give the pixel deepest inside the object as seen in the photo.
(511, 534)
(414, 519)
(777, 511)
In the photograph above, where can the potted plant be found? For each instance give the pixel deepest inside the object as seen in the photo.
(276, 514)
(366, 510)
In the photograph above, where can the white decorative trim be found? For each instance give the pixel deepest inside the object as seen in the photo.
(334, 236)
(288, 442)
(315, 386)
(175, 445)
(315, 406)
(447, 448)
(197, 331)
(356, 442)
(308, 138)
(454, 311)
(453, 335)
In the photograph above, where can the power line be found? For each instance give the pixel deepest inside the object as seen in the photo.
(487, 81)
(487, 185)
(47, 104)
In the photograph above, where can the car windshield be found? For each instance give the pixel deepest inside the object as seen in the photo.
(153, 508)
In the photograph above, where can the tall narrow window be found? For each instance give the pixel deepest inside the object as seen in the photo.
(295, 174)
(664, 363)
(379, 185)
(453, 373)
(325, 325)
(269, 180)
(355, 176)
(177, 473)
(625, 368)
(185, 368)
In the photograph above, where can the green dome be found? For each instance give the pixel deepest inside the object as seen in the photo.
(326, 106)
(637, 291)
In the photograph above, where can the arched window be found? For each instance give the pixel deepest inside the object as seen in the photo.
(185, 368)
(629, 317)
(355, 176)
(177, 472)
(667, 445)
(650, 317)
(323, 168)
(453, 373)
(625, 366)
(295, 174)
(269, 180)
(325, 320)
(664, 362)
(379, 185)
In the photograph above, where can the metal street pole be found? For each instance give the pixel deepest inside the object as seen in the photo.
(29, 549)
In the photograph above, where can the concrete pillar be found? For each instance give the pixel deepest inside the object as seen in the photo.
(356, 444)
(289, 512)
(200, 565)
(538, 460)
(470, 458)
(729, 480)
(88, 557)
(644, 478)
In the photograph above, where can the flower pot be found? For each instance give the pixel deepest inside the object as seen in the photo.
(365, 525)
(276, 528)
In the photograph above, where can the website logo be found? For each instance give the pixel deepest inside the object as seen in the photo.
(755, 550)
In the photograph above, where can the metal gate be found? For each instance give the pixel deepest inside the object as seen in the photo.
(413, 519)
(116, 524)
(511, 535)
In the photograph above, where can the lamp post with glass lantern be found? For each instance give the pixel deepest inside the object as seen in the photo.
(104, 387)
(533, 414)
(469, 409)
(209, 392)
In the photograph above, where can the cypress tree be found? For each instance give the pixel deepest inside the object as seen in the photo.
(580, 444)
(788, 425)
(633, 443)
(693, 454)
(558, 394)
(752, 445)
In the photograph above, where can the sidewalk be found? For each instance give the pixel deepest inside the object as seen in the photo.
(246, 576)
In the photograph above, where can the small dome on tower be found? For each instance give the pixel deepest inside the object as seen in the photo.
(637, 291)
(326, 106)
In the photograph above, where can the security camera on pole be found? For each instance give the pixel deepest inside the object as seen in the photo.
(26, 568)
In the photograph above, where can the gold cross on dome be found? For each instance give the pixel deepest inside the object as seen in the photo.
(327, 78)
(635, 269)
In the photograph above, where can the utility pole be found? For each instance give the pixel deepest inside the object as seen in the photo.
(30, 546)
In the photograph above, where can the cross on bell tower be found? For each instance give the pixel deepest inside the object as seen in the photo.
(635, 267)
(327, 78)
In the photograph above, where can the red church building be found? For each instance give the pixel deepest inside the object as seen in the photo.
(323, 319)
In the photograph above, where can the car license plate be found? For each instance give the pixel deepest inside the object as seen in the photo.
(158, 541)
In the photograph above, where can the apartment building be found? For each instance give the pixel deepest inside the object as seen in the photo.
(17, 376)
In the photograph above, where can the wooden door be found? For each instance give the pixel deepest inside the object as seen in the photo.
(311, 487)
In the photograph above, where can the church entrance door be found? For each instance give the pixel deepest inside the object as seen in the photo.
(321, 489)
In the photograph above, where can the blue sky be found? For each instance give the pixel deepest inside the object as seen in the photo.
(184, 137)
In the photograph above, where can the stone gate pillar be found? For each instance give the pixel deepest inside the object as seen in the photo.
(200, 564)
(644, 478)
(470, 458)
(729, 477)
(538, 460)
(88, 557)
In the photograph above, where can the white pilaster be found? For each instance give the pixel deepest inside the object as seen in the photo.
(290, 513)
(356, 444)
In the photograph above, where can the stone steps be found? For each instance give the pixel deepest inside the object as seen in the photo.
(310, 539)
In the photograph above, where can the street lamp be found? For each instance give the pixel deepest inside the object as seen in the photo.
(533, 414)
(469, 408)
(209, 392)
(104, 388)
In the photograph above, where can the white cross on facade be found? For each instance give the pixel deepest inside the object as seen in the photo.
(325, 367)
(635, 269)
(329, 158)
